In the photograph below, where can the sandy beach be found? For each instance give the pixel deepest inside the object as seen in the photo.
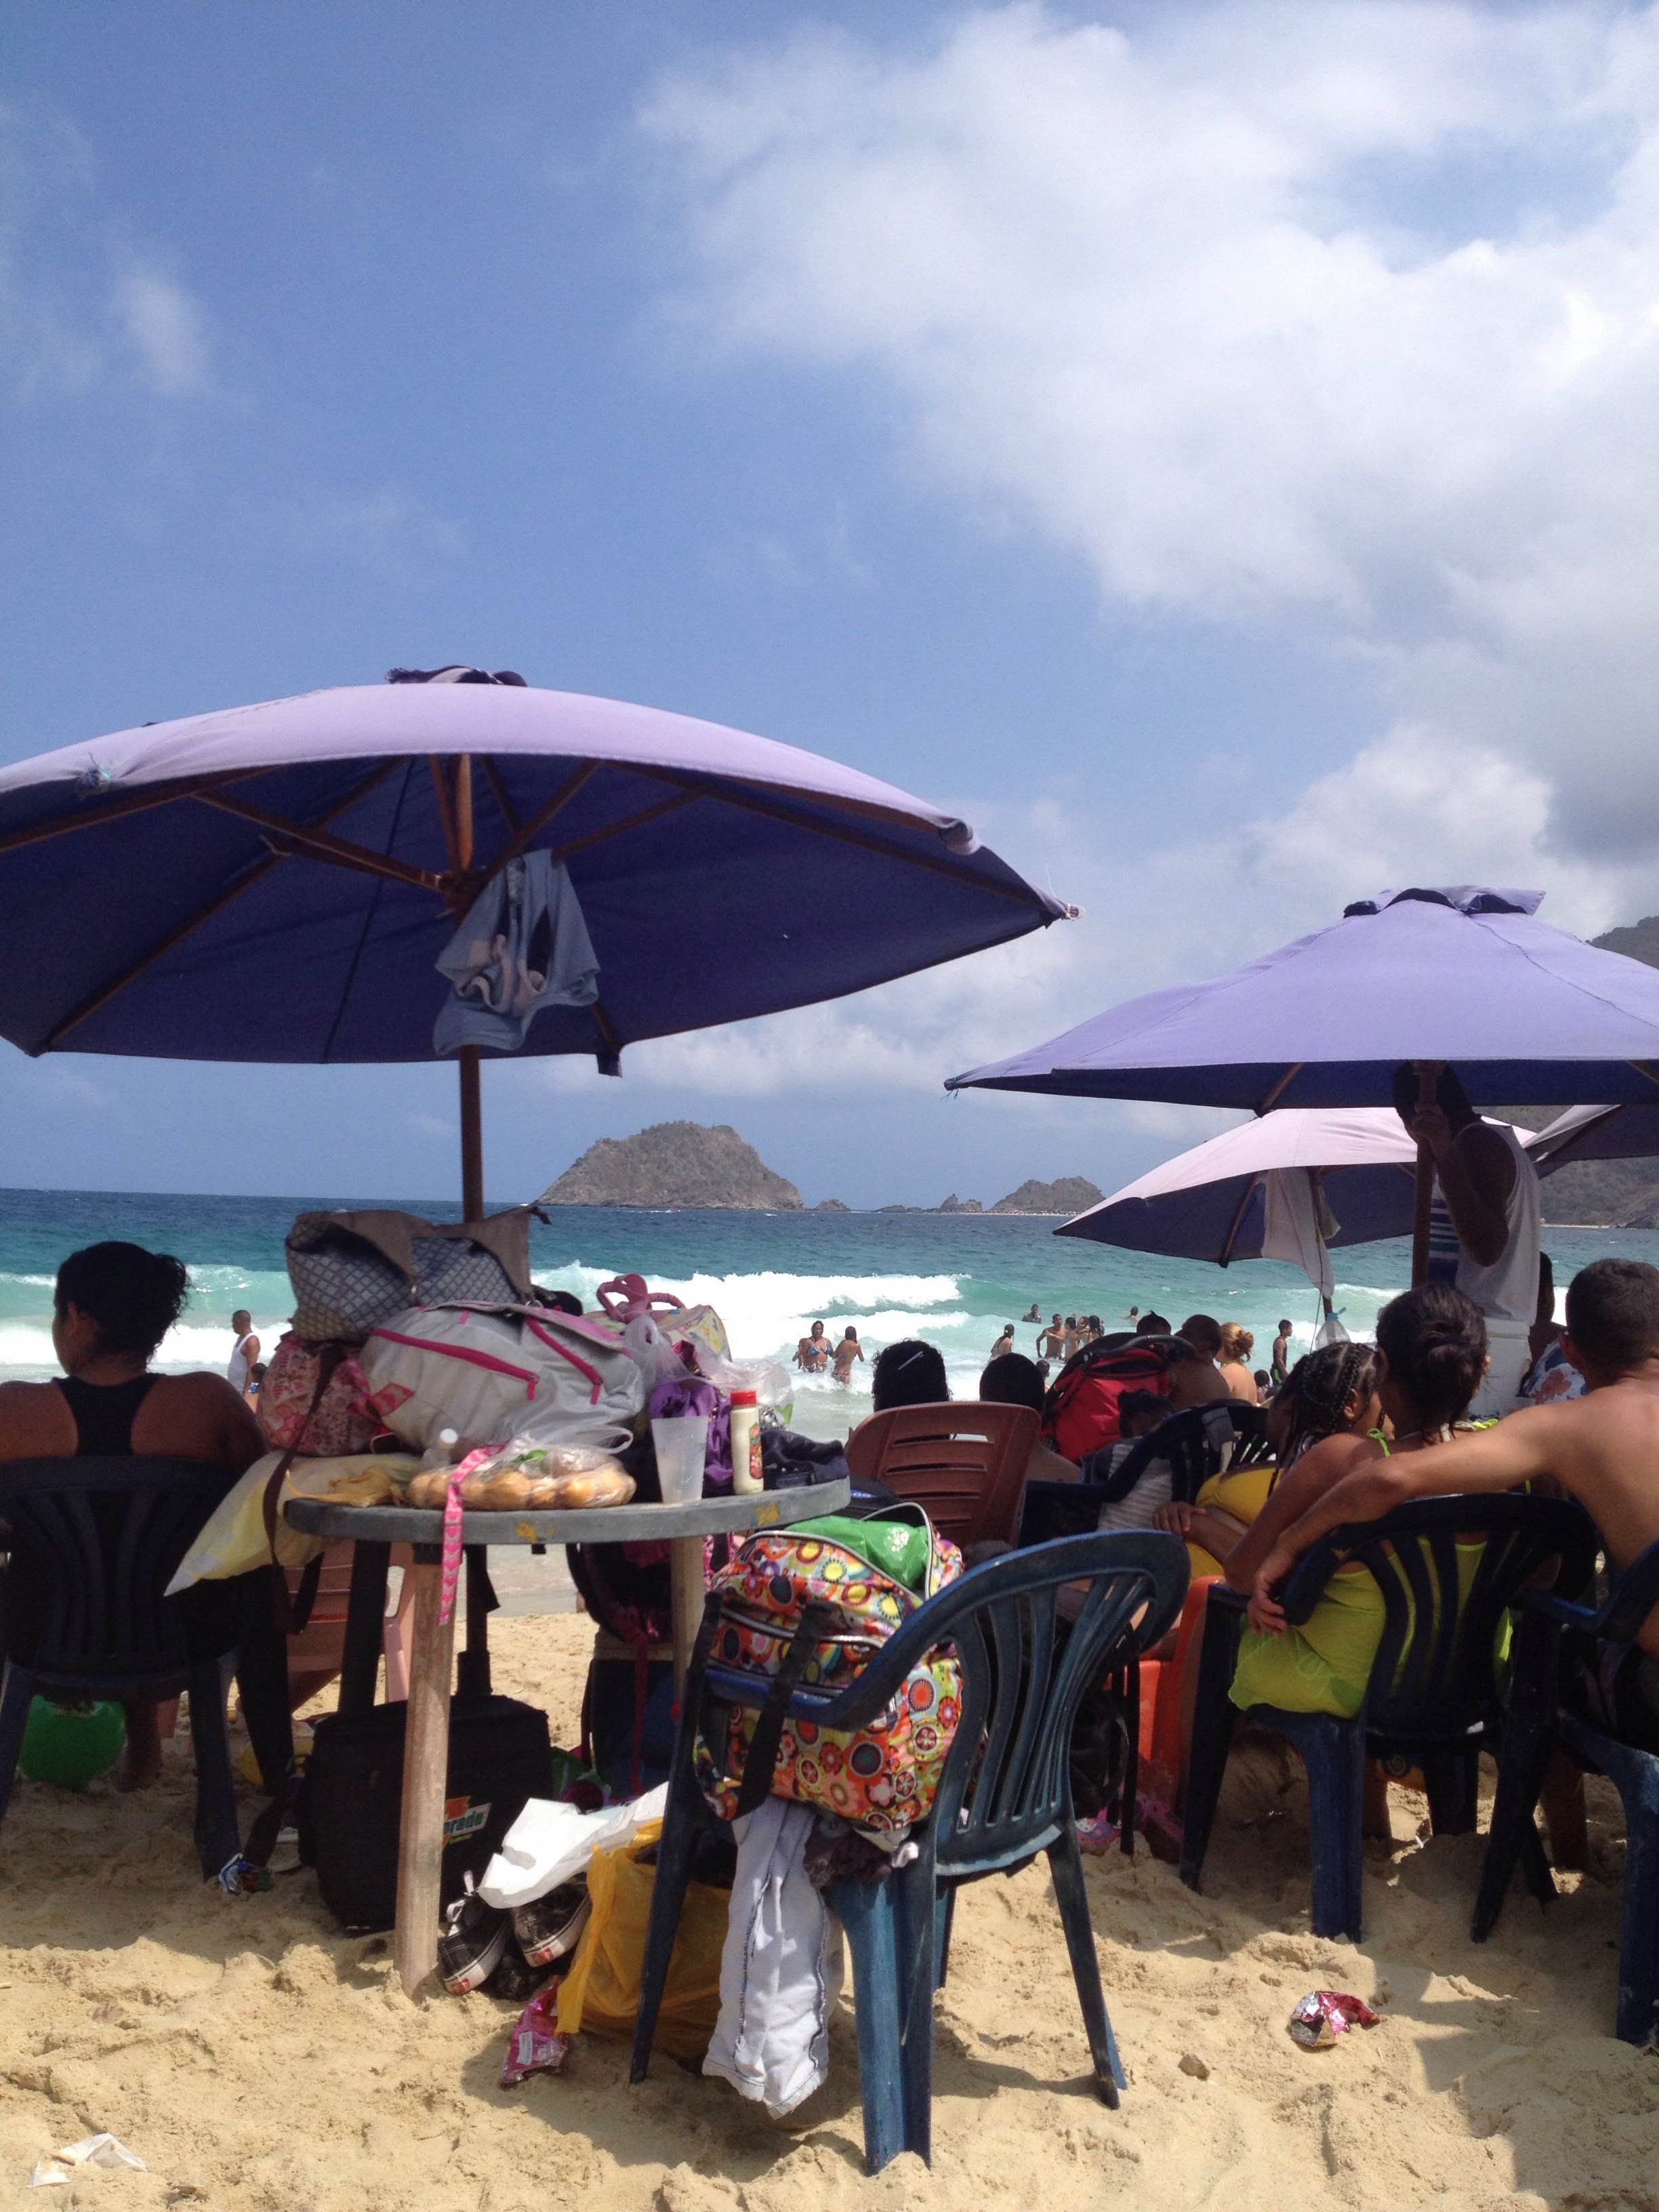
(260, 2062)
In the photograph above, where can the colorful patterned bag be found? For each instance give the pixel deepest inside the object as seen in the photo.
(882, 1777)
(314, 1400)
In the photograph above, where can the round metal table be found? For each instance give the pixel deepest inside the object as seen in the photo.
(374, 1529)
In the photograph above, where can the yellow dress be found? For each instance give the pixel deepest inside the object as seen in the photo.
(1324, 1665)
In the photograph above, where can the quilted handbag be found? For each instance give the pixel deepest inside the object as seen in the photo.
(350, 1272)
(869, 1576)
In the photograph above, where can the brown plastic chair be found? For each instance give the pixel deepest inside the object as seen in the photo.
(314, 1652)
(964, 1462)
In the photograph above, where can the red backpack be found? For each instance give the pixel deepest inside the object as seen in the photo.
(1079, 1414)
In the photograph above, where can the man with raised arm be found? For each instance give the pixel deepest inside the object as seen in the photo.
(1601, 1449)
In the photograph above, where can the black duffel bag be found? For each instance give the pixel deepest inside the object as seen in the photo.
(351, 1802)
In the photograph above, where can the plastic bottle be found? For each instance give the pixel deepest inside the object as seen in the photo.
(442, 1451)
(747, 1473)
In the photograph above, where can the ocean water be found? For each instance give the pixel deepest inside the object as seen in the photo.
(952, 1278)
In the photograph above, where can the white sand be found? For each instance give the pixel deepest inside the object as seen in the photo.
(256, 2059)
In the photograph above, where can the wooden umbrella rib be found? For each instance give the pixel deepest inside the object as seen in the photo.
(749, 803)
(1283, 1084)
(620, 828)
(527, 832)
(316, 845)
(136, 802)
(1237, 1222)
(492, 776)
(446, 810)
(100, 997)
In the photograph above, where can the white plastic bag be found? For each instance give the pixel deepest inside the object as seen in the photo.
(551, 1841)
(772, 1384)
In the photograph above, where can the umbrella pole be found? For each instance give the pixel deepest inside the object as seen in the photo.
(1428, 1077)
(472, 1193)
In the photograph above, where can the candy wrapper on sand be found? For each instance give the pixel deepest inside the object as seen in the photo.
(1323, 2014)
(535, 2045)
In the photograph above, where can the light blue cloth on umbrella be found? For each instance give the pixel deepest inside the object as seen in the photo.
(523, 945)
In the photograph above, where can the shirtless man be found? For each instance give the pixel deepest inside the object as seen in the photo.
(1601, 1449)
(847, 1352)
(813, 1352)
(1051, 1345)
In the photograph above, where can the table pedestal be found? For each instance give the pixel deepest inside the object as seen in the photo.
(426, 1770)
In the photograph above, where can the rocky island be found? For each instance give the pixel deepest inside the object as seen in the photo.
(675, 1164)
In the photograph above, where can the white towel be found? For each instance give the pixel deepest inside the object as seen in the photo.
(781, 1967)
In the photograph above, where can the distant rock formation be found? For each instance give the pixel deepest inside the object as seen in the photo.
(1069, 1194)
(954, 1205)
(675, 1164)
(832, 1206)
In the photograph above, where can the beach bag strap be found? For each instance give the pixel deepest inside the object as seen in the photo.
(817, 1622)
(292, 1612)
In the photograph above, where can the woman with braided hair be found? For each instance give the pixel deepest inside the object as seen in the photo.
(1431, 1360)
(1330, 1392)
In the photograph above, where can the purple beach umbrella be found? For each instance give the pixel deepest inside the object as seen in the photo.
(275, 883)
(1465, 977)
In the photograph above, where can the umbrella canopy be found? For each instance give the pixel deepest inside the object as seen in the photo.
(1466, 976)
(1597, 1133)
(275, 883)
(1212, 1202)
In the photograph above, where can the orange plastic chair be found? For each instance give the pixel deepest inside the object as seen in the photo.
(965, 1462)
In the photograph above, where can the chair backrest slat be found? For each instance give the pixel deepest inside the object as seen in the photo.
(964, 1460)
(1007, 1779)
(1435, 1668)
(97, 1540)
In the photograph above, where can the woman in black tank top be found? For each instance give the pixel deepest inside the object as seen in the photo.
(103, 1414)
(115, 1302)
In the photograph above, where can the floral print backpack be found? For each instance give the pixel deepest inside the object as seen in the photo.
(868, 1577)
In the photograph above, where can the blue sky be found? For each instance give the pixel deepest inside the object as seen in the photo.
(1212, 449)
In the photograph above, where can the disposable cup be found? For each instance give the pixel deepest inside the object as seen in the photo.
(682, 1443)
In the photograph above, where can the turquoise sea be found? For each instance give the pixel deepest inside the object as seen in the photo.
(952, 1279)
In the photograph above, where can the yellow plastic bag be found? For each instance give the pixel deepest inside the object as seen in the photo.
(601, 1992)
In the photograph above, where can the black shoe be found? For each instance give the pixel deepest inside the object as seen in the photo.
(473, 1943)
(550, 1928)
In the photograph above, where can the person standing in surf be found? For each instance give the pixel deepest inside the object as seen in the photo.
(847, 1352)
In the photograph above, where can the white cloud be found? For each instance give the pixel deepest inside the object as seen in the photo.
(388, 533)
(1339, 315)
(82, 304)
(165, 330)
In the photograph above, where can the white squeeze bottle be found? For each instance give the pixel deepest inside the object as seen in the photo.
(746, 1477)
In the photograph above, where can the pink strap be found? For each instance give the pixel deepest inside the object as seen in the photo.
(564, 1351)
(452, 1511)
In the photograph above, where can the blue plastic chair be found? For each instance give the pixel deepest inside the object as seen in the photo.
(1537, 1725)
(1435, 1698)
(1004, 1795)
(95, 1542)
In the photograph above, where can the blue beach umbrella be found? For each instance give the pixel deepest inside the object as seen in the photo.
(1466, 977)
(276, 882)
